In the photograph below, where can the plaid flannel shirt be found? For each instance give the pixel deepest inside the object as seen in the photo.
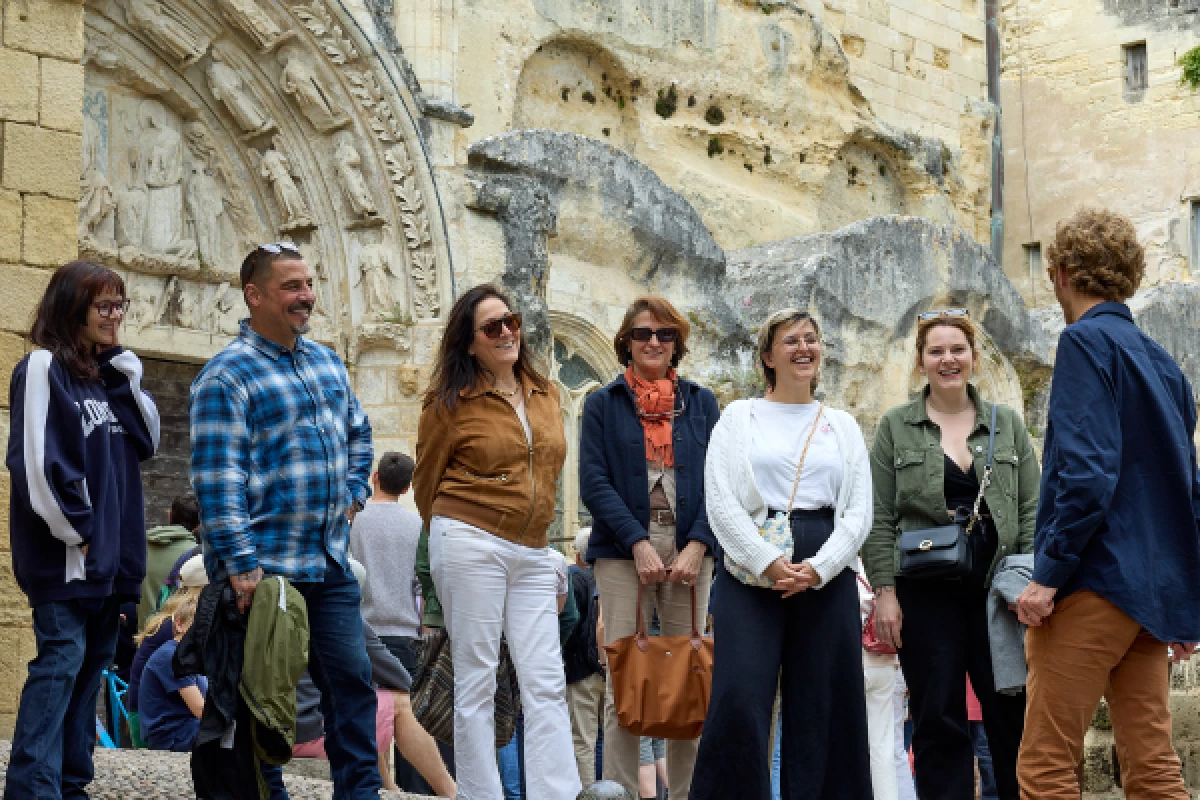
(281, 449)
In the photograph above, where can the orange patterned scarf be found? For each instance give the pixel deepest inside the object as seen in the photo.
(655, 402)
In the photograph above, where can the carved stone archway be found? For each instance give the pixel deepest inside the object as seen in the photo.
(211, 126)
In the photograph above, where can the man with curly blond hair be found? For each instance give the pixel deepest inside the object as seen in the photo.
(1116, 577)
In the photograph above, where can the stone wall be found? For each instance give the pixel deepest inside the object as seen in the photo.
(1074, 134)
(41, 118)
(772, 118)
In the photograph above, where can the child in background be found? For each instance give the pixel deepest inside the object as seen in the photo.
(170, 707)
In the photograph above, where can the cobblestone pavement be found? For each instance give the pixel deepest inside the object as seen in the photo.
(154, 775)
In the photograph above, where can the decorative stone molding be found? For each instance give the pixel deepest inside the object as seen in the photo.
(212, 126)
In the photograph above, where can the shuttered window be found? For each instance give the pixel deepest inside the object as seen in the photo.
(1136, 74)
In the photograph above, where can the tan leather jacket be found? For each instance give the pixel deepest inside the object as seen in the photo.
(475, 465)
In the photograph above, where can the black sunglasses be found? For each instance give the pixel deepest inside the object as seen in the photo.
(665, 335)
(494, 329)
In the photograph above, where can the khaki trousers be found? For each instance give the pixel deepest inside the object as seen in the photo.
(585, 704)
(1087, 649)
(617, 581)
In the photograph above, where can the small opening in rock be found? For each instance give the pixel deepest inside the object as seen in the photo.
(714, 115)
(714, 147)
(606, 131)
(566, 94)
(588, 97)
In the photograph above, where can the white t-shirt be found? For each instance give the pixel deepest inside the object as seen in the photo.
(777, 435)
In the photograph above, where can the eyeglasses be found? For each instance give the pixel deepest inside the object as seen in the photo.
(106, 308)
(945, 312)
(665, 335)
(494, 328)
(275, 248)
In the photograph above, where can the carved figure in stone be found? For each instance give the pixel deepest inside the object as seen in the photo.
(247, 228)
(205, 204)
(96, 201)
(277, 170)
(162, 171)
(248, 17)
(301, 82)
(347, 164)
(131, 204)
(227, 314)
(144, 306)
(188, 307)
(227, 86)
(166, 28)
(375, 276)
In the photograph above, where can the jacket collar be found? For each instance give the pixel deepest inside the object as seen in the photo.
(1114, 308)
(470, 392)
(265, 346)
(916, 414)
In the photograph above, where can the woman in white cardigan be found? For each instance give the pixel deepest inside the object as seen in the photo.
(803, 630)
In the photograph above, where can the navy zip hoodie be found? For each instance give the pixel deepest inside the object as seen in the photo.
(74, 453)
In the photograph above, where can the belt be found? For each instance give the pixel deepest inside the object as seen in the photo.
(662, 516)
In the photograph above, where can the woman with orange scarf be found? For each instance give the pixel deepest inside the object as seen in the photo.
(642, 449)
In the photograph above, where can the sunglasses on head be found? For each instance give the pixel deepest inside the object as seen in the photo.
(495, 328)
(665, 335)
(275, 248)
(945, 312)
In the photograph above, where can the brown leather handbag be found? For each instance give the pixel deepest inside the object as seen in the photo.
(661, 684)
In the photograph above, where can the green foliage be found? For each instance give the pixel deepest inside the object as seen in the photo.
(1190, 62)
(714, 147)
(667, 102)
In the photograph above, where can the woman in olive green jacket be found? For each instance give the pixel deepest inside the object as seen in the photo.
(928, 457)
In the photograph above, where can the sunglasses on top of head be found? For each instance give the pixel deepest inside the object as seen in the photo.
(494, 328)
(664, 335)
(945, 312)
(275, 248)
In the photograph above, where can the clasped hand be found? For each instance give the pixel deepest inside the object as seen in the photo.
(682, 569)
(791, 578)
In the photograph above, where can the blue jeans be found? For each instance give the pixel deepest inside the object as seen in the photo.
(987, 775)
(511, 759)
(775, 759)
(338, 663)
(56, 721)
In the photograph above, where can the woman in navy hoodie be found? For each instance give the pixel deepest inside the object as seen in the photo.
(641, 467)
(80, 426)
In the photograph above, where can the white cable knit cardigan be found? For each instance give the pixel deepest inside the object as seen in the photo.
(736, 510)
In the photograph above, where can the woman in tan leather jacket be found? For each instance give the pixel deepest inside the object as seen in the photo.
(490, 446)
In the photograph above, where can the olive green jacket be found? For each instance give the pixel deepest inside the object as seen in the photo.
(908, 472)
(431, 612)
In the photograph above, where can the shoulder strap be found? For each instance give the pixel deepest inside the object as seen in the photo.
(803, 455)
(987, 472)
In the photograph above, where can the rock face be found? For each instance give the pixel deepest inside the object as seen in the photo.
(866, 284)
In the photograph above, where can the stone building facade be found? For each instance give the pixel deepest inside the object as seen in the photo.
(734, 155)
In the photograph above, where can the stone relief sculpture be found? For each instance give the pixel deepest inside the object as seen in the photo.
(162, 171)
(244, 229)
(96, 200)
(276, 169)
(131, 203)
(375, 276)
(167, 29)
(205, 204)
(248, 17)
(227, 86)
(347, 164)
(301, 82)
(225, 311)
(147, 300)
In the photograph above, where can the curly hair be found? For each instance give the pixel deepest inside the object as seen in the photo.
(1099, 251)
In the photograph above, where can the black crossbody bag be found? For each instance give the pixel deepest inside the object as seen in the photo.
(945, 551)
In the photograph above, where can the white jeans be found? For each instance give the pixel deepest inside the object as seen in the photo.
(880, 674)
(906, 789)
(490, 586)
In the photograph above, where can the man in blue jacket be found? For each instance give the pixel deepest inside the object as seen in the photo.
(1117, 552)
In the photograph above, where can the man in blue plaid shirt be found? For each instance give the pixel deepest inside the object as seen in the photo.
(281, 457)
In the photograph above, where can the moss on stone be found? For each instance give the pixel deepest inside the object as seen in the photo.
(714, 146)
(588, 97)
(667, 102)
(714, 115)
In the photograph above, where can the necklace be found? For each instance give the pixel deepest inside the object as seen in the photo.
(510, 393)
(968, 407)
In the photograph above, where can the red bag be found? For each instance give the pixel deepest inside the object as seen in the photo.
(870, 641)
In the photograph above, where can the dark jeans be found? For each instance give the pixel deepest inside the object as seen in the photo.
(811, 643)
(407, 777)
(56, 722)
(338, 664)
(945, 636)
(987, 775)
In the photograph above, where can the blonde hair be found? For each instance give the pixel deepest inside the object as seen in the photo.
(766, 338)
(180, 606)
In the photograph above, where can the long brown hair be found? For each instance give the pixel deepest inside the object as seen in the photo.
(63, 312)
(455, 368)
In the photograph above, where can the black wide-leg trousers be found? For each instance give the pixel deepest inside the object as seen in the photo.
(811, 644)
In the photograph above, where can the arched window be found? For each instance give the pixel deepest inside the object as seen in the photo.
(583, 362)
